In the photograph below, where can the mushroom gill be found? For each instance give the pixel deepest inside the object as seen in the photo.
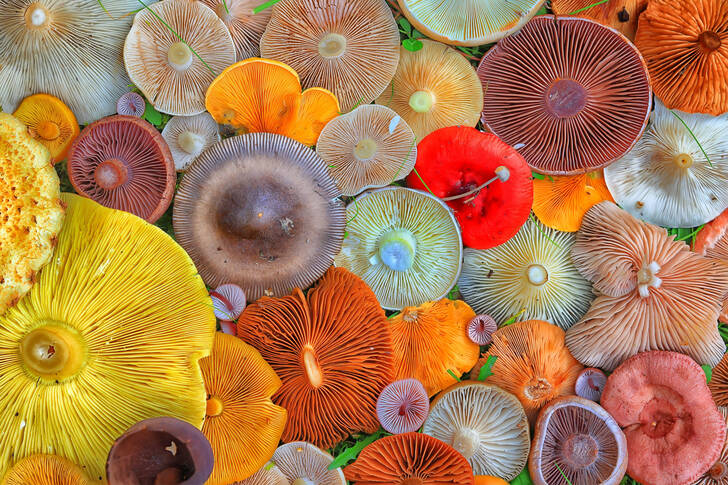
(45, 470)
(304, 464)
(189, 136)
(403, 406)
(245, 25)
(621, 15)
(718, 472)
(50, 122)
(718, 384)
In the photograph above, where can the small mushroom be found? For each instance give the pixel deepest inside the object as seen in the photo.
(590, 384)
(189, 136)
(246, 26)
(402, 406)
(621, 15)
(481, 329)
(269, 474)
(718, 384)
(50, 122)
(718, 472)
(228, 302)
(304, 464)
(45, 470)
(131, 104)
(712, 242)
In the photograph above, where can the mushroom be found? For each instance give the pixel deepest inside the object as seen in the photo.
(488, 480)
(621, 15)
(332, 348)
(434, 87)
(674, 430)
(349, 48)
(245, 25)
(242, 424)
(404, 243)
(485, 424)
(590, 384)
(409, 459)
(403, 406)
(486, 182)
(370, 147)
(531, 272)
(122, 162)
(718, 472)
(302, 463)
(131, 104)
(259, 211)
(228, 302)
(160, 451)
(575, 95)
(173, 52)
(532, 363)
(111, 334)
(711, 241)
(188, 136)
(577, 439)
(718, 384)
(654, 293)
(269, 474)
(481, 329)
(50, 122)
(45, 470)
(666, 178)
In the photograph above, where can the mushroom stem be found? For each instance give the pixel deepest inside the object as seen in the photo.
(303, 481)
(111, 174)
(397, 249)
(52, 351)
(646, 278)
(36, 15)
(190, 142)
(537, 274)
(422, 101)
(48, 130)
(501, 173)
(179, 56)
(311, 365)
(710, 40)
(214, 406)
(365, 149)
(684, 160)
(332, 46)
(537, 388)
(579, 451)
(412, 481)
(466, 441)
(718, 471)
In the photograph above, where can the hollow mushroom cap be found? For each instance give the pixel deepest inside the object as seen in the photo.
(50, 122)
(260, 211)
(131, 104)
(434, 87)
(654, 293)
(717, 474)
(674, 430)
(403, 406)
(718, 384)
(582, 439)
(574, 94)
(405, 244)
(302, 462)
(45, 470)
(590, 384)
(369, 147)
(621, 15)
(531, 271)
(122, 162)
(228, 302)
(111, 334)
(481, 329)
(246, 27)
(168, 70)
(269, 474)
(188, 137)
(349, 48)
(711, 241)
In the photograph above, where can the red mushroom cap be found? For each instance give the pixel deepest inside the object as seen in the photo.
(456, 160)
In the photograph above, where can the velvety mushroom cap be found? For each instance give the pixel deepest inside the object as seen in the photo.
(717, 474)
(403, 406)
(582, 439)
(303, 463)
(245, 26)
(674, 430)
(122, 162)
(573, 93)
(260, 211)
(269, 474)
(228, 302)
(131, 104)
(50, 122)
(718, 384)
(189, 136)
(349, 48)
(712, 242)
(168, 70)
(481, 329)
(45, 470)
(621, 15)
(590, 384)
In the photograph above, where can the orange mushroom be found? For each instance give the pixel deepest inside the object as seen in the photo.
(718, 384)
(45, 470)
(712, 242)
(50, 122)
(621, 15)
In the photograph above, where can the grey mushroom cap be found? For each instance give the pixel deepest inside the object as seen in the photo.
(302, 462)
(189, 136)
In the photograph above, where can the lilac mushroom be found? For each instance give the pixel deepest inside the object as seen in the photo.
(481, 329)
(131, 104)
(590, 384)
(402, 406)
(228, 302)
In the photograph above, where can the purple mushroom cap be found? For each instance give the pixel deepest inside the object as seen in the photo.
(131, 104)
(228, 302)
(481, 329)
(590, 384)
(403, 406)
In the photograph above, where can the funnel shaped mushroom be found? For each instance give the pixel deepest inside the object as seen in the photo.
(573, 93)
(718, 384)
(303, 463)
(403, 406)
(245, 26)
(674, 430)
(269, 474)
(712, 242)
(483, 423)
(590, 384)
(655, 294)
(228, 302)
(45, 470)
(717, 474)
(188, 137)
(50, 122)
(481, 329)
(582, 440)
(621, 15)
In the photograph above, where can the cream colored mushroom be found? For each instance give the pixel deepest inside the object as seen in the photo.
(189, 136)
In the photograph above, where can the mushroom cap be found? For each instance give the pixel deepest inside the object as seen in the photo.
(246, 27)
(50, 122)
(434, 87)
(189, 136)
(228, 302)
(711, 241)
(573, 93)
(582, 439)
(260, 211)
(72, 50)
(269, 474)
(302, 462)
(469, 22)
(122, 162)
(160, 447)
(257, 95)
(242, 423)
(168, 70)
(457, 160)
(666, 179)
(405, 244)
(488, 480)
(674, 430)
(370, 147)
(131, 104)
(45, 470)
(402, 406)
(590, 384)
(654, 293)
(111, 334)
(531, 271)
(31, 207)
(532, 363)
(621, 15)
(349, 48)
(685, 44)
(718, 384)
(717, 474)
(481, 329)
(409, 458)
(485, 424)
(333, 351)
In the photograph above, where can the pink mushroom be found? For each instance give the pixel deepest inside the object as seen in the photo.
(481, 329)
(403, 406)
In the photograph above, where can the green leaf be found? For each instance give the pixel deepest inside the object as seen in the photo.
(538, 176)
(405, 27)
(453, 295)
(708, 372)
(353, 451)
(487, 369)
(412, 45)
(523, 479)
(152, 115)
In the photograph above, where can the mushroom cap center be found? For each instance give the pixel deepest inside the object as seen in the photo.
(332, 46)
(259, 212)
(537, 388)
(397, 250)
(36, 16)
(365, 149)
(565, 98)
(710, 40)
(683, 160)
(718, 471)
(659, 416)
(214, 407)
(190, 142)
(179, 56)
(422, 101)
(53, 351)
(580, 451)
(111, 174)
(48, 130)
(412, 481)
(311, 366)
(466, 441)
(537, 275)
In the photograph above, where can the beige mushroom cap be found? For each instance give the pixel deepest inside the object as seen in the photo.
(302, 462)
(246, 27)
(189, 136)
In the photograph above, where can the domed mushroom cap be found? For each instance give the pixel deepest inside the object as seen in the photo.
(674, 430)
(711, 241)
(481, 329)
(131, 104)
(260, 211)
(621, 15)
(434, 87)
(349, 48)
(246, 27)
(571, 112)
(228, 302)
(269, 474)
(405, 244)
(50, 122)
(302, 462)
(122, 162)
(717, 474)
(582, 439)
(165, 68)
(45, 470)
(590, 384)
(718, 384)
(403, 406)
(189, 136)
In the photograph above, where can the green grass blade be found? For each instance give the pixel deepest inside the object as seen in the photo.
(264, 6)
(694, 137)
(587, 7)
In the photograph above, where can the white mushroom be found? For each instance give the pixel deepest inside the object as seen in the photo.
(188, 136)
(304, 464)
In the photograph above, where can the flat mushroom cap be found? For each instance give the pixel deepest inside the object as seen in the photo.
(189, 136)
(45, 470)
(531, 271)
(166, 69)
(403, 406)
(246, 27)
(369, 147)
(485, 424)
(269, 474)
(582, 439)
(349, 48)
(405, 244)
(122, 162)
(666, 179)
(50, 122)
(674, 430)
(574, 94)
(433, 88)
(260, 211)
(711, 241)
(302, 462)
(717, 474)
(590, 384)
(718, 384)
(655, 294)
(621, 15)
